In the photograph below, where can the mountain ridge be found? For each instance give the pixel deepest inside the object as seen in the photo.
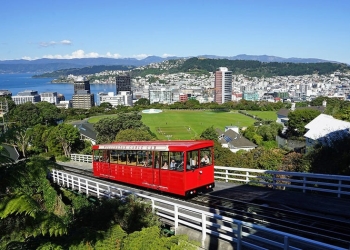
(47, 65)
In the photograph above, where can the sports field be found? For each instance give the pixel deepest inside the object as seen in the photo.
(185, 124)
(189, 124)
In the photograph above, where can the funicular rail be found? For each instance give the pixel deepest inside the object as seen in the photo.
(325, 229)
(241, 234)
(338, 185)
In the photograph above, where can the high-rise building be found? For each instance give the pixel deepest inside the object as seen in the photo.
(223, 85)
(123, 83)
(80, 83)
(82, 98)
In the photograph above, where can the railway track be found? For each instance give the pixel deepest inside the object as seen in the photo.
(329, 230)
(326, 229)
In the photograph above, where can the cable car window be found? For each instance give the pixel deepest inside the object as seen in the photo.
(164, 160)
(114, 156)
(176, 161)
(140, 155)
(97, 155)
(156, 159)
(192, 160)
(206, 157)
(122, 157)
(132, 157)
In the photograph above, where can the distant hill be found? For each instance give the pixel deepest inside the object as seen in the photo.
(265, 58)
(202, 65)
(44, 65)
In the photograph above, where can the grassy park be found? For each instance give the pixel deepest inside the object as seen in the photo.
(189, 124)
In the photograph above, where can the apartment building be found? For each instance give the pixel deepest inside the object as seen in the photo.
(223, 85)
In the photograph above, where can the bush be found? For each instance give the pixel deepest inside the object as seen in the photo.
(62, 158)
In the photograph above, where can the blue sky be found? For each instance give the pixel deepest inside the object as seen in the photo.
(32, 29)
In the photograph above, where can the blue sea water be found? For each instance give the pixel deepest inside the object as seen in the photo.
(19, 82)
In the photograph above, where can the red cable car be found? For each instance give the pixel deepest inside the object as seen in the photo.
(178, 167)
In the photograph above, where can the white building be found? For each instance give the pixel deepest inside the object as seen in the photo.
(124, 98)
(64, 104)
(324, 129)
(50, 97)
(26, 96)
(160, 95)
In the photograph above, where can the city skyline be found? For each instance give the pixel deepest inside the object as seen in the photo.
(85, 29)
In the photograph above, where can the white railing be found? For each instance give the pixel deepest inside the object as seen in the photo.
(242, 234)
(336, 184)
(81, 158)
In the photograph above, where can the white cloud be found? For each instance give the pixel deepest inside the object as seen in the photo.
(110, 55)
(81, 54)
(66, 42)
(167, 55)
(53, 43)
(140, 56)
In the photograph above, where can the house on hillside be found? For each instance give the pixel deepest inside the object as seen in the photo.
(11, 151)
(87, 131)
(233, 140)
(324, 129)
(282, 114)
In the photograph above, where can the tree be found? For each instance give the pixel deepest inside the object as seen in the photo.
(19, 136)
(108, 128)
(26, 115)
(209, 134)
(29, 204)
(66, 136)
(142, 102)
(37, 138)
(49, 113)
(298, 119)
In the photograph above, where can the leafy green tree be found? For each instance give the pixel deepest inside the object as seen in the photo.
(37, 138)
(28, 207)
(26, 115)
(106, 105)
(298, 119)
(49, 113)
(330, 159)
(66, 136)
(269, 132)
(108, 128)
(209, 134)
(19, 136)
(294, 162)
(142, 102)
(151, 239)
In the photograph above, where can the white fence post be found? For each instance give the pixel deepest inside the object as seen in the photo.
(239, 235)
(204, 229)
(176, 217)
(339, 188)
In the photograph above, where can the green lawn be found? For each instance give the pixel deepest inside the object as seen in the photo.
(185, 124)
(189, 124)
(265, 115)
